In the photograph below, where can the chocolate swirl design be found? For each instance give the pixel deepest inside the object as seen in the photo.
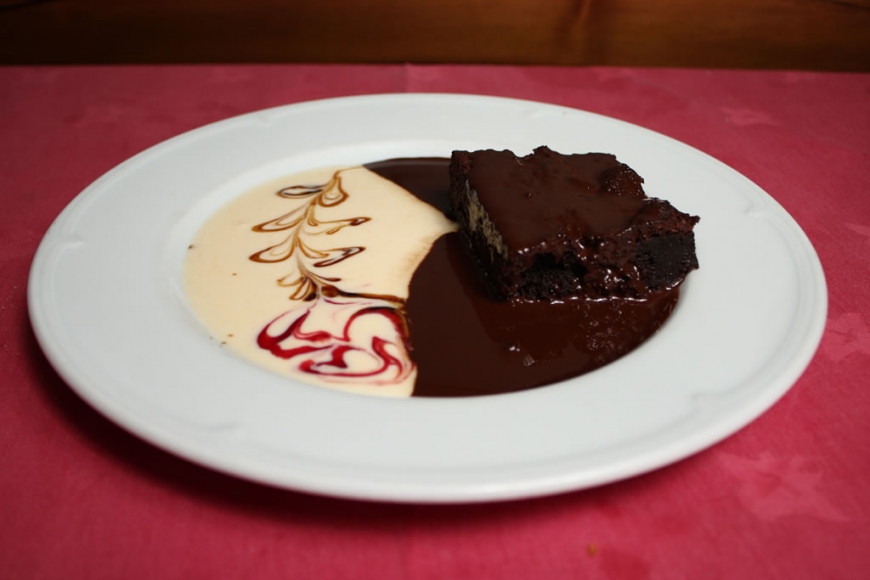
(302, 223)
(336, 347)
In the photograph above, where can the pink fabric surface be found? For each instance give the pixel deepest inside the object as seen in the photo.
(786, 497)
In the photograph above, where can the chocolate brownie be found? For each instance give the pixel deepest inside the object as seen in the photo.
(550, 226)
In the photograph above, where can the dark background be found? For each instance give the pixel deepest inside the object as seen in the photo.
(767, 34)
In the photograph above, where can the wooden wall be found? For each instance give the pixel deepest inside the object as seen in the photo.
(793, 34)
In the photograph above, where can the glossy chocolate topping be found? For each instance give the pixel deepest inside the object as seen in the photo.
(546, 196)
(466, 343)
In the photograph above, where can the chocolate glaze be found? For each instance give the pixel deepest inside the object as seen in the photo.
(546, 196)
(466, 343)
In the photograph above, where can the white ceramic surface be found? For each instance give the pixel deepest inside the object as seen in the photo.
(107, 306)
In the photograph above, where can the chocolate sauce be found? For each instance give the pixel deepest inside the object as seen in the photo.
(466, 343)
(545, 196)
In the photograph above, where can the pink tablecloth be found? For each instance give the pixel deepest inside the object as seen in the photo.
(786, 497)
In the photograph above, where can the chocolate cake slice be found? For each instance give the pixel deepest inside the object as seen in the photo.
(549, 226)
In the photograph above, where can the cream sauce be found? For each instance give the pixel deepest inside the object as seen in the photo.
(307, 276)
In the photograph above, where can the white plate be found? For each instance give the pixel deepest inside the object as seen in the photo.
(108, 309)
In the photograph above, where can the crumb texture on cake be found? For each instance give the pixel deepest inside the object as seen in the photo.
(550, 226)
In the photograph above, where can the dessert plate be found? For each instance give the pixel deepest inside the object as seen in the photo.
(108, 308)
